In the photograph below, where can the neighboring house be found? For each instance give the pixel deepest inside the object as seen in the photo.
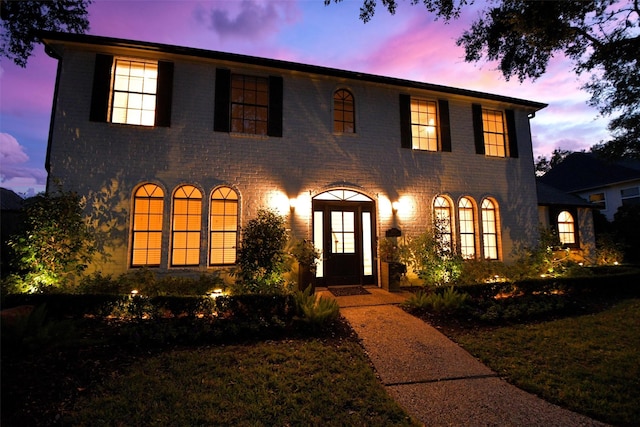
(571, 218)
(177, 148)
(607, 185)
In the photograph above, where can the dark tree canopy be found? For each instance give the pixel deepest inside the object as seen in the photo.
(544, 165)
(21, 20)
(601, 37)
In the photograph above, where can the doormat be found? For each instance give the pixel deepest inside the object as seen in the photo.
(346, 291)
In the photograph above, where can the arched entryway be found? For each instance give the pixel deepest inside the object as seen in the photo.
(344, 231)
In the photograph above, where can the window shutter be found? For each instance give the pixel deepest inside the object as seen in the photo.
(101, 88)
(511, 133)
(445, 126)
(274, 126)
(221, 116)
(478, 134)
(405, 121)
(164, 93)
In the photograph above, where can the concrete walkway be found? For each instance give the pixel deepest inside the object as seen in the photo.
(434, 379)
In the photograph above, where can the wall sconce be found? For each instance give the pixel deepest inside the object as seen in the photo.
(293, 203)
(395, 206)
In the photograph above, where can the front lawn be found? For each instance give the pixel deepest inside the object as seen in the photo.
(588, 363)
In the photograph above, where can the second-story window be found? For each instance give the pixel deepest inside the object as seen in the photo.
(133, 99)
(494, 132)
(424, 131)
(344, 120)
(131, 91)
(249, 104)
(424, 124)
(246, 104)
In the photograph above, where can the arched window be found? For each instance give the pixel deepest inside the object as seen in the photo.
(442, 223)
(344, 119)
(223, 226)
(566, 228)
(467, 228)
(148, 207)
(489, 216)
(186, 226)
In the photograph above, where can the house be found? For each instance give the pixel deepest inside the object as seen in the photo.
(176, 148)
(570, 217)
(607, 185)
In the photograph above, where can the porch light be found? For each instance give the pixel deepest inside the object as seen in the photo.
(293, 203)
(395, 206)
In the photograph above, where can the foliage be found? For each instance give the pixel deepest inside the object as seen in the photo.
(305, 252)
(448, 301)
(544, 165)
(432, 260)
(627, 231)
(476, 271)
(600, 37)
(23, 19)
(262, 256)
(608, 250)
(316, 312)
(56, 244)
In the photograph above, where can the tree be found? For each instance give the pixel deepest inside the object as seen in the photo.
(601, 37)
(544, 165)
(56, 243)
(23, 19)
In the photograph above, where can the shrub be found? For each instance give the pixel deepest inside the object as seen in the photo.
(448, 301)
(262, 257)
(314, 311)
(433, 262)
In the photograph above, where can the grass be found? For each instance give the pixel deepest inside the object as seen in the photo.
(289, 382)
(589, 363)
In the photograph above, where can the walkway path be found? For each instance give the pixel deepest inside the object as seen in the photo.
(434, 379)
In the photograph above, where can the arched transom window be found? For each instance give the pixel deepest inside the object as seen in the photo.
(344, 120)
(148, 208)
(223, 226)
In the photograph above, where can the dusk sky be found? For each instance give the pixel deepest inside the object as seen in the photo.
(408, 45)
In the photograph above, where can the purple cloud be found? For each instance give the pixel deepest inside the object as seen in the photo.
(248, 19)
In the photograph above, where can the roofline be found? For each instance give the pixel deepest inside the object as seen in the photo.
(607, 184)
(49, 37)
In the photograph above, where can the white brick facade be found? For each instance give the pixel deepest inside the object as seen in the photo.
(106, 162)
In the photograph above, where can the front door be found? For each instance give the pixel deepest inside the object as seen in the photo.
(343, 231)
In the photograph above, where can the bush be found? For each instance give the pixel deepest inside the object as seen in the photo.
(262, 256)
(315, 312)
(448, 301)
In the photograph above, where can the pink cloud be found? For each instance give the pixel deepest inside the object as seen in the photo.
(11, 152)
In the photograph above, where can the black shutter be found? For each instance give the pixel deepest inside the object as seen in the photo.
(101, 88)
(405, 121)
(221, 118)
(164, 94)
(445, 126)
(274, 126)
(478, 134)
(511, 133)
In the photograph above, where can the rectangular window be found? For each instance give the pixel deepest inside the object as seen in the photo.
(494, 133)
(249, 104)
(598, 200)
(133, 93)
(630, 196)
(343, 232)
(424, 131)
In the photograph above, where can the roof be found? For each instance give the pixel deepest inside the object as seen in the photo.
(9, 200)
(52, 40)
(551, 196)
(583, 171)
